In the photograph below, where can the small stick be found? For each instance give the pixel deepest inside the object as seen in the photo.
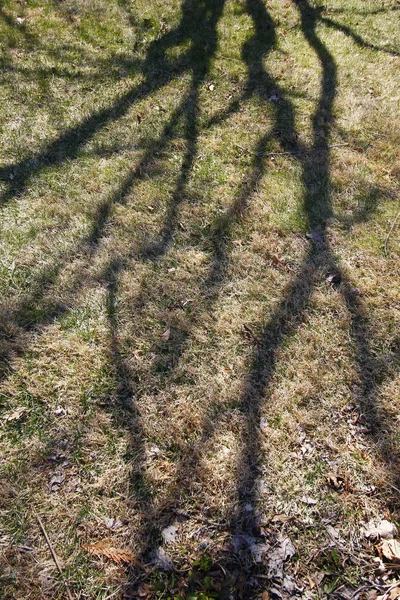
(390, 232)
(392, 587)
(53, 554)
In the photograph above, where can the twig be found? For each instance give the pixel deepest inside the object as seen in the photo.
(361, 589)
(114, 593)
(53, 554)
(390, 232)
(380, 478)
(392, 587)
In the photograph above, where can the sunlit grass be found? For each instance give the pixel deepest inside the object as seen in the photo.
(171, 341)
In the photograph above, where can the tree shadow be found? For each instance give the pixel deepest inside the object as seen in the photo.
(315, 165)
(320, 260)
(199, 22)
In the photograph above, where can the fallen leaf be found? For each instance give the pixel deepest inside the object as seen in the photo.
(382, 529)
(394, 593)
(280, 265)
(242, 541)
(166, 335)
(289, 585)
(345, 592)
(56, 481)
(258, 551)
(308, 500)
(248, 333)
(336, 480)
(315, 236)
(334, 278)
(112, 523)
(307, 448)
(333, 533)
(107, 549)
(390, 549)
(281, 518)
(281, 553)
(153, 450)
(162, 560)
(370, 595)
(169, 534)
(355, 291)
(17, 413)
(318, 578)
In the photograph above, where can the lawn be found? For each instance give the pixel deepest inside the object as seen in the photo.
(200, 301)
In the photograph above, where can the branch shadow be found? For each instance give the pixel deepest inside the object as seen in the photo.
(158, 70)
(315, 166)
(358, 39)
(320, 260)
(200, 20)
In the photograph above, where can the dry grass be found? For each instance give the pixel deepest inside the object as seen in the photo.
(173, 350)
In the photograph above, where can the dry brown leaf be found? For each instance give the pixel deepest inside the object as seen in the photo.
(338, 481)
(107, 549)
(390, 549)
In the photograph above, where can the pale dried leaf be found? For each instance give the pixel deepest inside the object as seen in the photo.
(333, 533)
(383, 529)
(280, 518)
(166, 335)
(56, 481)
(17, 414)
(394, 593)
(318, 577)
(308, 500)
(162, 560)
(111, 523)
(282, 552)
(169, 534)
(258, 551)
(390, 550)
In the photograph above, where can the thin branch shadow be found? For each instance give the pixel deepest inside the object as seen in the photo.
(358, 39)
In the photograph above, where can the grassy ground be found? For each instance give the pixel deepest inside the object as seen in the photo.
(200, 300)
